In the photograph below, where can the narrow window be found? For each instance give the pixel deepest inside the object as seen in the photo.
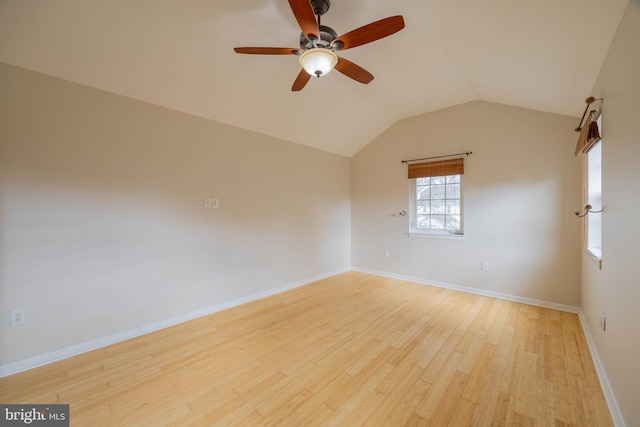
(594, 198)
(590, 144)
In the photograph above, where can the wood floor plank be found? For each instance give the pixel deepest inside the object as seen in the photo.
(449, 400)
(353, 349)
(315, 407)
(394, 387)
(440, 385)
(463, 414)
(478, 373)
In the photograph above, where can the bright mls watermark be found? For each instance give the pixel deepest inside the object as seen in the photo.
(34, 415)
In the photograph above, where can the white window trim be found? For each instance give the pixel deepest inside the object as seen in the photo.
(448, 236)
(595, 258)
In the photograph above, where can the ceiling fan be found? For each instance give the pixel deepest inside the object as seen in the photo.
(319, 43)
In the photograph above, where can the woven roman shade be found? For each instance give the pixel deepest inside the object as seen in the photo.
(439, 168)
(589, 135)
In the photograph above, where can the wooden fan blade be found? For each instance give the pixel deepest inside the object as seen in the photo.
(369, 33)
(354, 71)
(267, 50)
(301, 81)
(303, 12)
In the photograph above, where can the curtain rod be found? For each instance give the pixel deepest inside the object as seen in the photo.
(590, 100)
(468, 153)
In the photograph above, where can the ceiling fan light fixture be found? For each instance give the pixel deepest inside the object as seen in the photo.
(318, 61)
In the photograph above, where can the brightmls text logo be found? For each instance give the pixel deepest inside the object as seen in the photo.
(35, 415)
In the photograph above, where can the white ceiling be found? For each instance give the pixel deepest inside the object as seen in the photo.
(543, 54)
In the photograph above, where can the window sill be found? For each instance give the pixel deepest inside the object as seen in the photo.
(595, 255)
(436, 236)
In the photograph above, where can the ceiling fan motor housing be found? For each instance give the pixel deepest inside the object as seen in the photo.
(327, 35)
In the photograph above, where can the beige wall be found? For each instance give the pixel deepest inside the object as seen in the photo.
(102, 225)
(521, 187)
(615, 290)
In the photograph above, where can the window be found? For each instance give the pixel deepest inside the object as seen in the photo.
(589, 143)
(436, 198)
(594, 198)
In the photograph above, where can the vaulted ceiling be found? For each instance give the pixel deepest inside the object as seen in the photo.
(543, 55)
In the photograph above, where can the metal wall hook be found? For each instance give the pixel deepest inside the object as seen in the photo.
(587, 210)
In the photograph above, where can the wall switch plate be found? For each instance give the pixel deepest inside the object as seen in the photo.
(386, 253)
(17, 317)
(484, 266)
(207, 202)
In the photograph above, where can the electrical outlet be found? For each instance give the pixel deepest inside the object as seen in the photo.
(17, 317)
(484, 266)
(214, 276)
(386, 253)
(207, 202)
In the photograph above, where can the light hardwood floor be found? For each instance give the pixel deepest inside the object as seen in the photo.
(354, 349)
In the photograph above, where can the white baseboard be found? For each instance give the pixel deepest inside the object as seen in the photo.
(609, 396)
(74, 350)
(476, 291)
(612, 403)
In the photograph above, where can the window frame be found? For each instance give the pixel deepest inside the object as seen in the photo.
(593, 195)
(414, 231)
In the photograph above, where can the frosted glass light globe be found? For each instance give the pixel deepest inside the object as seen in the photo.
(318, 61)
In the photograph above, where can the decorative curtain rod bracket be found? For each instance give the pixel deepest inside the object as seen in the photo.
(468, 153)
(590, 100)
